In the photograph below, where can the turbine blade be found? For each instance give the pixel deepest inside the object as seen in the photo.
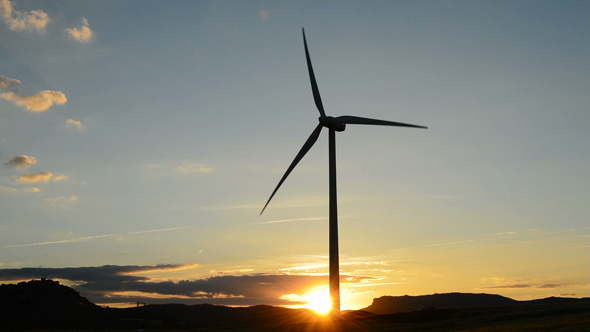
(314, 84)
(349, 119)
(308, 144)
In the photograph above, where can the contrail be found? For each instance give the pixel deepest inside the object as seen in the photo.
(95, 237)
(286, 220)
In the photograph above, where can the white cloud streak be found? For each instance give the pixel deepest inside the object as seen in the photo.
(288, 220)
(194, 168)
(96, 237)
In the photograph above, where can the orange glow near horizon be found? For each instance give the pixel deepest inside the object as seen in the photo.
(317, 299)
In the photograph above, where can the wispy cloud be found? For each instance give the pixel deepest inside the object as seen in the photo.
(21, 162)
(176, 168)
(264, 15)
(85, 238)
(15, 190)
(552, 285)
(288, 220)
(227, 207)
(82, 34)
(505, 283)
(34, 20)
(61, 201)
(194, 168)
(508, 286)
(2, 188)
(75, 125)
(7, 83)
(39, 177)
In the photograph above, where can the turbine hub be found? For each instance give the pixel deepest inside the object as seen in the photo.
(330, 122)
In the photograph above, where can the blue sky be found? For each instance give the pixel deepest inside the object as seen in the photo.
(148, 135)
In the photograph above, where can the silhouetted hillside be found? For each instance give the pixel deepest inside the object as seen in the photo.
(207, 315)
(44, 304)
(396, 304)
(558, 300)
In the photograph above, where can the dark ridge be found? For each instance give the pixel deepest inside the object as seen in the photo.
(44, 304)
(395, 304)
(207, 315)
(47, 305)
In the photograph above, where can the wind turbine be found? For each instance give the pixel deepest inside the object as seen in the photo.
(333, 124)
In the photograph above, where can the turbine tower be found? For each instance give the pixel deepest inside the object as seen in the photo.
(333, 124)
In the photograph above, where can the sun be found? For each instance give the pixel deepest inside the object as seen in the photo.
(318, 300)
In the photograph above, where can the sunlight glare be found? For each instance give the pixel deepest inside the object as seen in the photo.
(318, 300)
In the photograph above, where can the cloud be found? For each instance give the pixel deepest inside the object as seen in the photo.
(23, 21)
(527, 286)
(194, 168)
(30, 190)
(75, 125)
(85, 238)
(8, 189)
(39, 177)
(552, 285)
(7, 83)
(39, 102)
(82, 34)
(33, 178)
(264, 15)
(115, 284)
(175, 169)
(508, 286)
(21, 162)
(287, 220)
(61, 201)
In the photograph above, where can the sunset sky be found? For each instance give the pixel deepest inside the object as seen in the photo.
(139, 141)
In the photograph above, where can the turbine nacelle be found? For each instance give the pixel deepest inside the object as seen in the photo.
(331, 122)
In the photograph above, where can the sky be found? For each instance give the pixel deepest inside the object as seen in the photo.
(139, 141)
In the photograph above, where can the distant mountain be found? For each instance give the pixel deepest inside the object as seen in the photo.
(558, 300)
(395, 304)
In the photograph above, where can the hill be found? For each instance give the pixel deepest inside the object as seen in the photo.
(396, 304)
(45, 304)
(207, 315)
